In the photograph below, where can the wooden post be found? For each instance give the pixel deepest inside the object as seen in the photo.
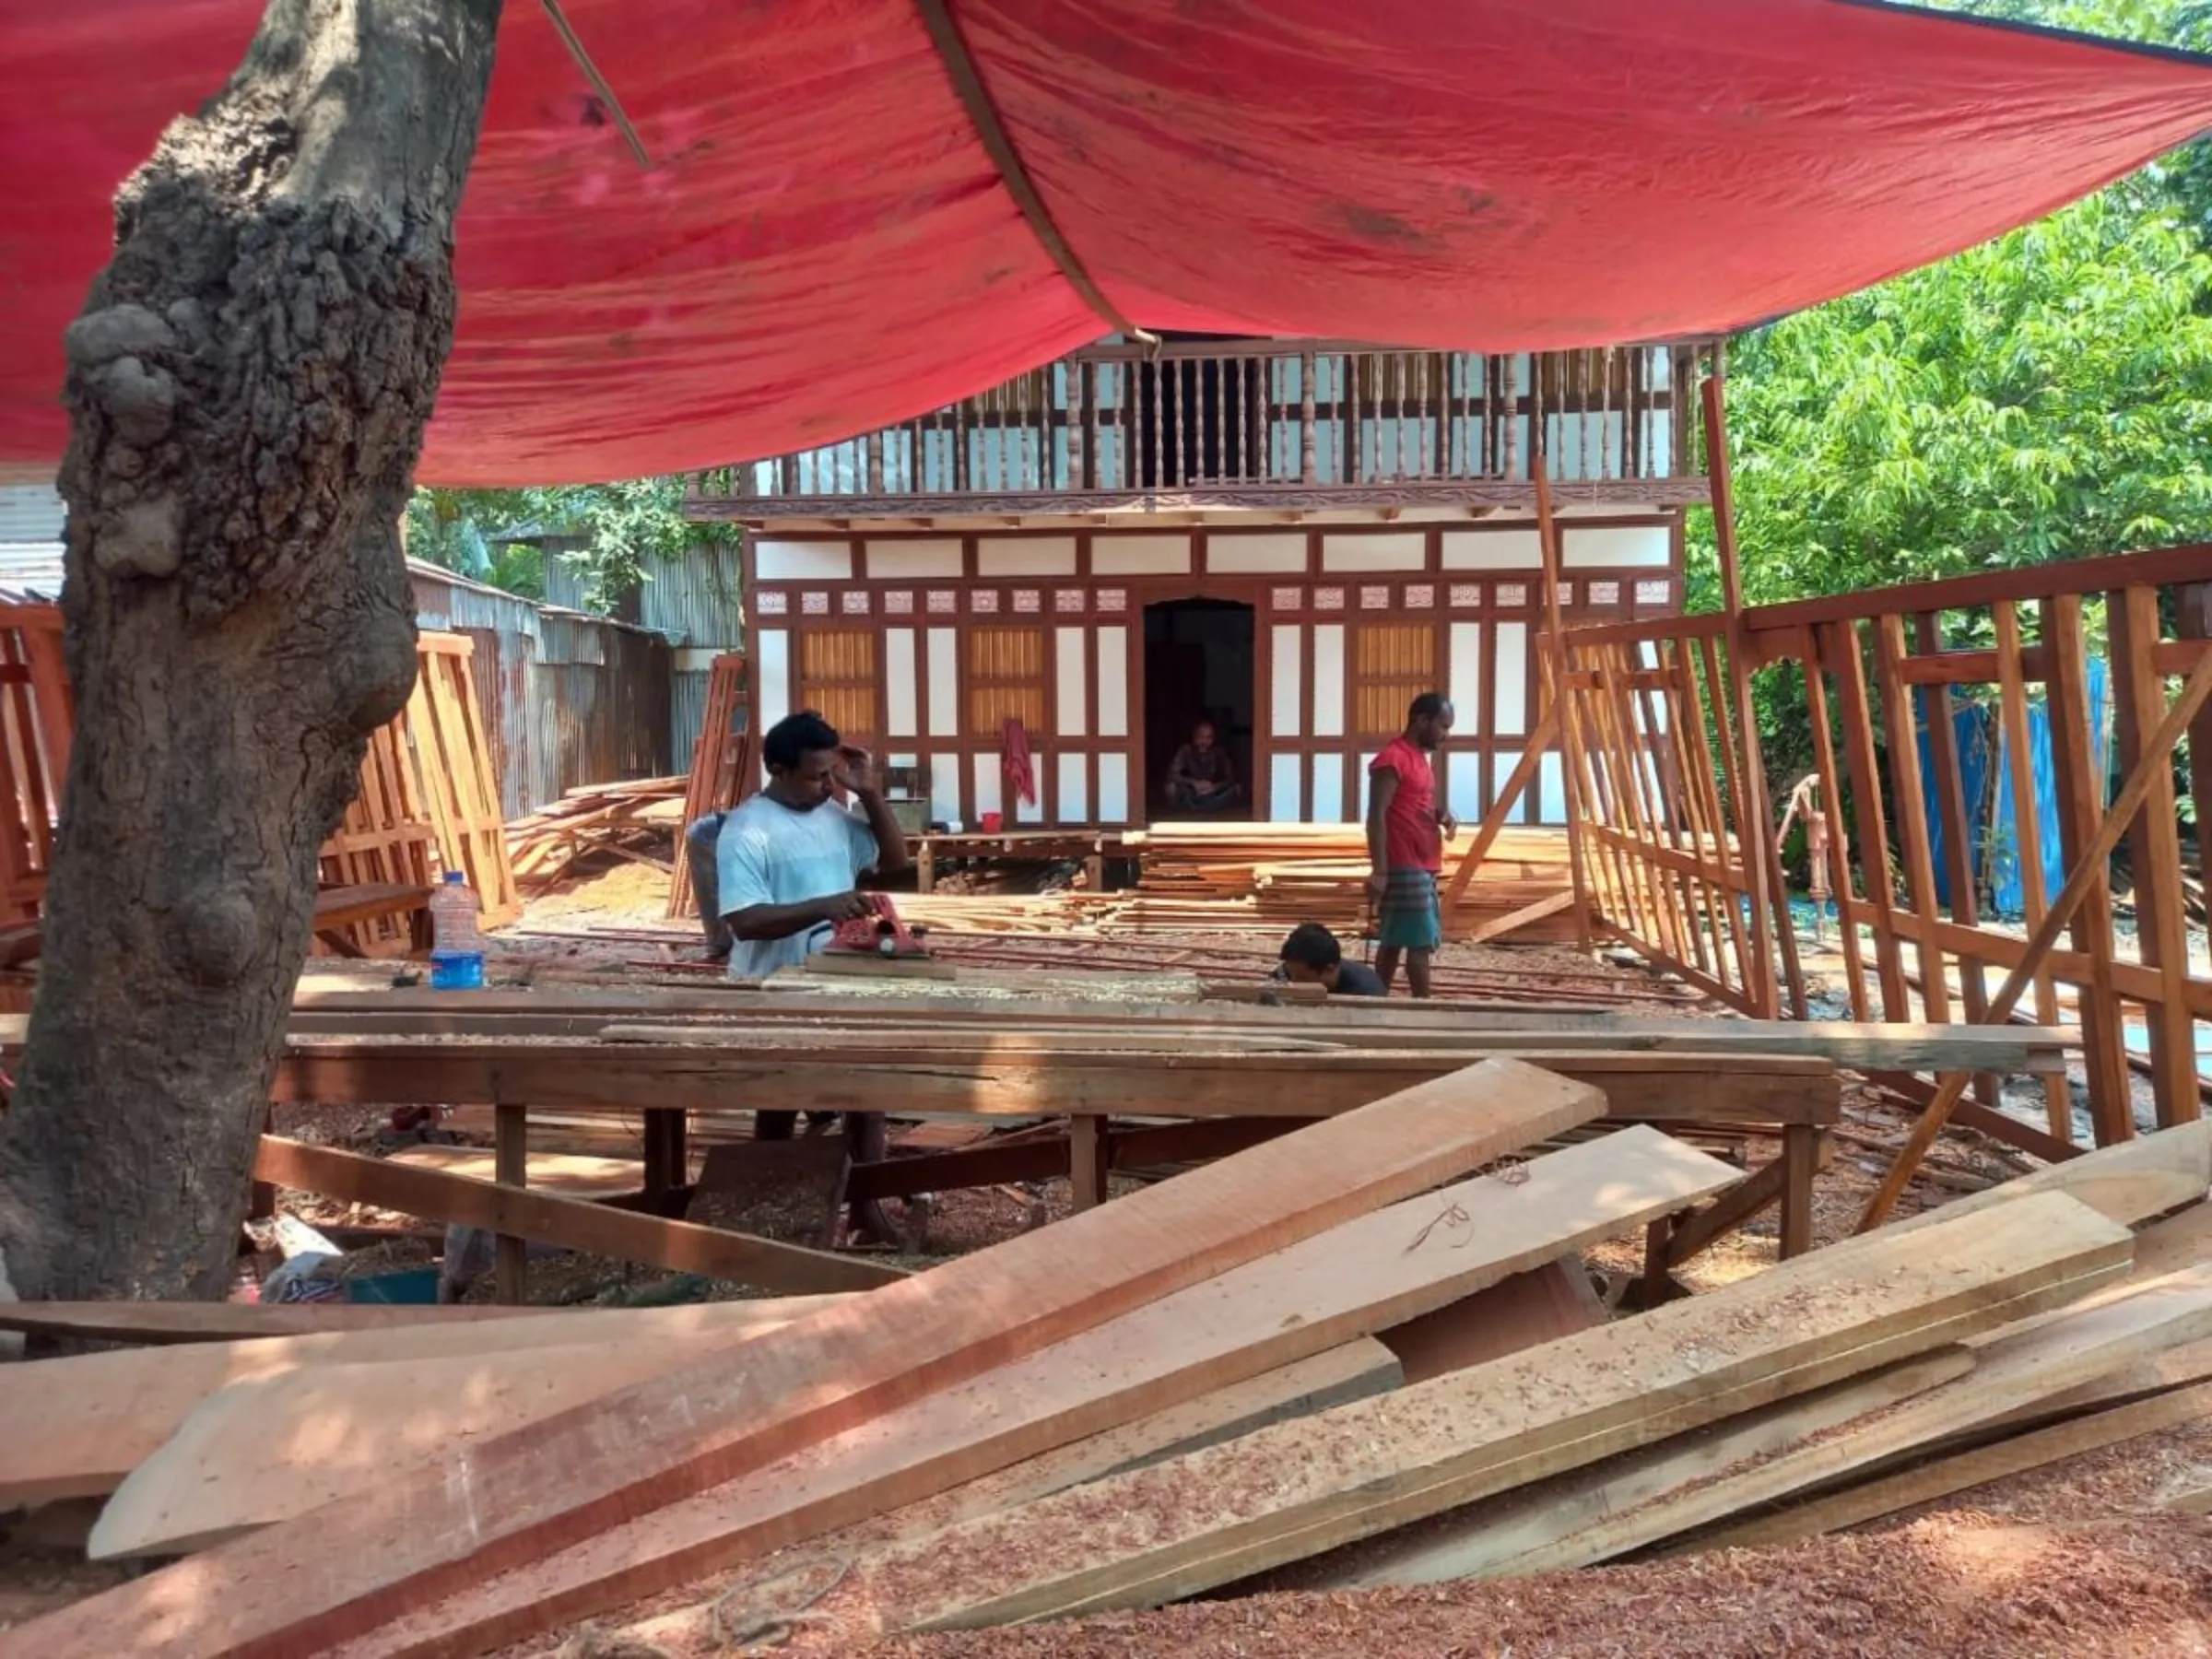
(667, 1158)
(2153, 763)
(1086, 1149)
(925, 867)
(1800, 1161)
(1762, 859)
(510, 1167)
(1555, 659)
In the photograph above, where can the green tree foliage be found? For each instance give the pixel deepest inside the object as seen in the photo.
(497, 536)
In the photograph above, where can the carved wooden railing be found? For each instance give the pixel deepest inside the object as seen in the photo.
(1258, 423)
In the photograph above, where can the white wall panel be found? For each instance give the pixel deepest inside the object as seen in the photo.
(1509, 712)
(1381, 551)
(1255, 555)
(1113, 683)
(1283, 772)
(803, 561)
(1551, 785)
(1140, 555)
(1286, 700)
(944, 788)
(1328, 790)
(904, 561)
(1502, 762)
(1463, 789)
(1464, 676)
(1074, 790)
(1072, 682)
(773, 646)
(1027, 555)
(901, 712)
(986, 795)
(1492, 550)
(1114, 789)
(943, 682)
(1639, 545)
(1328, 680)
(1032, 812)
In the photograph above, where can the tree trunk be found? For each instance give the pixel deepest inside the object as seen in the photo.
(248, 386)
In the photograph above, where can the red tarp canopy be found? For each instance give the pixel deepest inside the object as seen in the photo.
(822, 244)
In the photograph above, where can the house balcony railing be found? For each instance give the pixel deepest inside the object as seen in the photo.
(1259, 423)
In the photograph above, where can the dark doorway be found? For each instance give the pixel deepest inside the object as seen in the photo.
(1198, 665)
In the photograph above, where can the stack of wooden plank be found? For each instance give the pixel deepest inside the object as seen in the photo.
(637, 820)
(1162, 1396)
(1268, 878)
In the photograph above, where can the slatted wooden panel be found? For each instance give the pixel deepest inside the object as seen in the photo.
(1006, 680)
(36, 719)
(837, 677)
(453, 761)
(1392, 662)
(386, 838)
(1657, 794)
(724, 769)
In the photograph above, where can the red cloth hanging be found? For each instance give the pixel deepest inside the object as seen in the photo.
(1014, 762)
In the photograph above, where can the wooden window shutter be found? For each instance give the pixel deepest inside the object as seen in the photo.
(837, 675)
(1006, 680)
(1392, 662)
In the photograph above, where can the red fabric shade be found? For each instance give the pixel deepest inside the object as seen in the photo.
(823, 246)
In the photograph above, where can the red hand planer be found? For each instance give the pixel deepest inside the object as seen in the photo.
(882, 933)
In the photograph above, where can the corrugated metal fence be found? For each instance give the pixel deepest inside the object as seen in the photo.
(568, 699)
(694, 601)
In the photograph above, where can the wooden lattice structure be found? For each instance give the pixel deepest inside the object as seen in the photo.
(452, 769)
(428, 801)
(724, 770)
(36, 720)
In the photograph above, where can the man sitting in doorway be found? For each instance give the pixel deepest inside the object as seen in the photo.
(1312, 956)
(1405, 843)
(1202, 778)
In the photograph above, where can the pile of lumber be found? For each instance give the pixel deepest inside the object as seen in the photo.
(1306, 1360)
(634, 820)
(1266, 878)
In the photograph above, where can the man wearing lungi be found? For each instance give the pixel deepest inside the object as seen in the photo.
(1406, 843)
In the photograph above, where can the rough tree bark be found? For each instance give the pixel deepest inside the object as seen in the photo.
(248, 386)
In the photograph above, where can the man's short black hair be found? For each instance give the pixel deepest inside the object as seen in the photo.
(1313, 946)
(1428, 705)
(794, 736)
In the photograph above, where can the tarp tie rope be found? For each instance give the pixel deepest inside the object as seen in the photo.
(968, 84)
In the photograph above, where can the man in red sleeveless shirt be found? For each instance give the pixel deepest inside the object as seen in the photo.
(1405, 843)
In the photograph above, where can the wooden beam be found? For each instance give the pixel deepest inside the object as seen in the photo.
(569, 1223)
(1493, 821)
(77, 1426)
(1962, 1471)
(159, 1324)
(2153, 764)
(1515, 920)
(1554, 666)
(1285, 1492)
(353, 1567)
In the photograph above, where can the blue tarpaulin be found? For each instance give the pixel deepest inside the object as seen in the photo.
(1981, 741)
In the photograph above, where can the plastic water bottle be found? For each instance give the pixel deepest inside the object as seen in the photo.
(457, 953)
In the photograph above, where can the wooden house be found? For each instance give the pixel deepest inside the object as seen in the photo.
(1291, 538)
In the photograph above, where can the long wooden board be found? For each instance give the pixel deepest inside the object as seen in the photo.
(571, 1223)
(1962, 1471)
(511, 1501)
(159, 1323)
(74, 1427)
(1672, 1489)
(1490, 1538)
(1368, 1273)
(1283, 1493)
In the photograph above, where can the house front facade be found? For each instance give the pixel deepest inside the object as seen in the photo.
(1290, 539)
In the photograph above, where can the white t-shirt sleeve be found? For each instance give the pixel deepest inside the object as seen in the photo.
(866, 851)
(741, 870)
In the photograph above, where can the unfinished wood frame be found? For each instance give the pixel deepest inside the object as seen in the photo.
(724, 769)
(445, 728)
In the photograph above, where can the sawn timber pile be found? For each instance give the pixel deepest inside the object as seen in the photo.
(1268, 878)
(1162, 1397)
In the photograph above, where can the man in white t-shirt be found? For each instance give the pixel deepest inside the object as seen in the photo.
(786, 861)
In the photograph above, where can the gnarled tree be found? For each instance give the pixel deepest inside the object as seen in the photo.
(248, 387)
